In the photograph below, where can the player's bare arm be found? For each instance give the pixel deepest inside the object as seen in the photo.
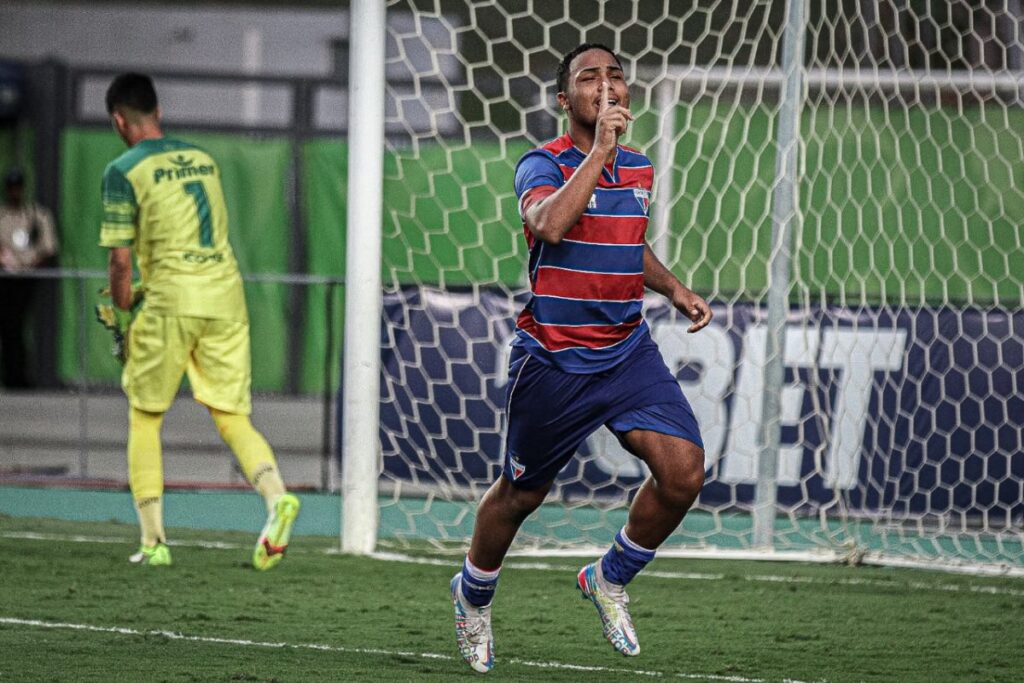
(119, 271)
(661, 280)
(552, 217)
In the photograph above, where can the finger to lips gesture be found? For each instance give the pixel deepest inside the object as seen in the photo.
(612, 119)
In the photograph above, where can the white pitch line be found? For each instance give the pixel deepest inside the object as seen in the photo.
(546, 566)
(882, 583)
(756, 578)
(78, 538)
(320, 647)
(543, 566)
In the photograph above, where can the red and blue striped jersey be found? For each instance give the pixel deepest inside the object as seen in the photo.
(585, 312)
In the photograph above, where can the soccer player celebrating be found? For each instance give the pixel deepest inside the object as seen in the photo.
(583, 356)
(162, 199)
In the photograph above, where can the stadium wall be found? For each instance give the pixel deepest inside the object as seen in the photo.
(254, 184)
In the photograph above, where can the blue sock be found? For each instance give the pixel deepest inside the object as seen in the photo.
(624, 559)
(478, 584)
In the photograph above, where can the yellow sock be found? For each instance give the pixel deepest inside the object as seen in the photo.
(145, 473)
(151, 520)
(253, 453)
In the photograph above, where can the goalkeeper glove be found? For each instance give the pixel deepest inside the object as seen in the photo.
(118, 320)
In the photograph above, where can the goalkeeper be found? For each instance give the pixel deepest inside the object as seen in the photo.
(162, 200)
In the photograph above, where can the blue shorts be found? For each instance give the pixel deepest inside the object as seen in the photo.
(551, 413)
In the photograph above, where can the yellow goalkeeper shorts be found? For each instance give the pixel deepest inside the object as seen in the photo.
(214, 353)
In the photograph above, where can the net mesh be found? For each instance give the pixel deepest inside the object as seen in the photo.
(902, 413)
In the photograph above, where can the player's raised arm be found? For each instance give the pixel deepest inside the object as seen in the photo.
(661, 280)
(554, 215)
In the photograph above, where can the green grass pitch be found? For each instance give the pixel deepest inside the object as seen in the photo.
(72, 608)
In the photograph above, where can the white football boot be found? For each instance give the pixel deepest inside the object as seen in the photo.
(613, 605)
(472, 630)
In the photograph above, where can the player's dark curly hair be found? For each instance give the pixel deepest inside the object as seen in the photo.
(132, 91)
(562, 74)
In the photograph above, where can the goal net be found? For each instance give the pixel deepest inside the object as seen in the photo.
(900, 413)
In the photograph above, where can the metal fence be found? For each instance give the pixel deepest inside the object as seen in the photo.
(76, 428)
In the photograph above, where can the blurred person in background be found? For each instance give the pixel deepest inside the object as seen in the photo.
(27, 241)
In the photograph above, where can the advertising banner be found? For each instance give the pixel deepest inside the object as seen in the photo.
(910, 410)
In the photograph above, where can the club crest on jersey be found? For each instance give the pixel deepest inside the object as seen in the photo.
(643, 198)
(592, 203)
(517, 467)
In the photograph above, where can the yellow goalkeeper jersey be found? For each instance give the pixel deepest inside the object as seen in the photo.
(163, 197)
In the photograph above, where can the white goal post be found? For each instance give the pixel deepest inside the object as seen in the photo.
(361, 367)
(845, 189)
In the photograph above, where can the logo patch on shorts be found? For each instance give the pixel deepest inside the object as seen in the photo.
(517, 467)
